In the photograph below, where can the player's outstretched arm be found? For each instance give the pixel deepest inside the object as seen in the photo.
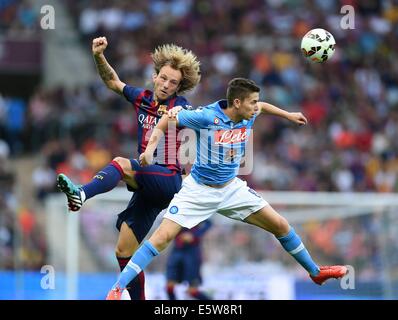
(296, 117)
(146, 158)
(106, 72)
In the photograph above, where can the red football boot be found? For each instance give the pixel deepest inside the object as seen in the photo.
(115, 294)
(327, 272)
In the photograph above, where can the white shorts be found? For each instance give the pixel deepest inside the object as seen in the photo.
(196, 202)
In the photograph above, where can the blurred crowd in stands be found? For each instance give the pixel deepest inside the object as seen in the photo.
(351, 101)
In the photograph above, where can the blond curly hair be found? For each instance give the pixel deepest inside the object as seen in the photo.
(180, 59)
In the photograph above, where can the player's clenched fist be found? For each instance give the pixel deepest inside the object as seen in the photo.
(99, 45)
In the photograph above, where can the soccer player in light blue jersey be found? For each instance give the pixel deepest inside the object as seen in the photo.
(222, 132)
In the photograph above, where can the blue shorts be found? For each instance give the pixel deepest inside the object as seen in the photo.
(157, 186)
(184, 265)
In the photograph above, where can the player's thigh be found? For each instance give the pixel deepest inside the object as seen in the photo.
(193, 204)
(127, 242)
(156, 180)
(240, 201)
(270, 220)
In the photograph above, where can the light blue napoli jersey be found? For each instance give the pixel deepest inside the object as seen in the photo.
(220, 142)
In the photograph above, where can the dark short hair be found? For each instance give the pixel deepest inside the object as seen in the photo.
(240, 88)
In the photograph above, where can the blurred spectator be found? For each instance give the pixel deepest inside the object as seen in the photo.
(43, 178)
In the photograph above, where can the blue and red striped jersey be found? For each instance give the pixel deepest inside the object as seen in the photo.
(148, 113)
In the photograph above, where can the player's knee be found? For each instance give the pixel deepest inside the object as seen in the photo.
(161, 239)
(281, 228)
(124, 163)
(124, 251)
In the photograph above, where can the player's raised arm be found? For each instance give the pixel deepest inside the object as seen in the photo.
(106, 72)
(296, 117)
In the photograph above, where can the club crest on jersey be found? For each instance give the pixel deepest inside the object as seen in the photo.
(162, 109)
(173, 209)
(230, 136)
(216, 121)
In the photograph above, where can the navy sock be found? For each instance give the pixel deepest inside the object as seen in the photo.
(104, 181)
(141, 258)
(199, 295)
(292, 244)
(135, 287)
(170, 292)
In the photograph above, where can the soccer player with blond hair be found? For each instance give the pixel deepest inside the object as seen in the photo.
(176, 71)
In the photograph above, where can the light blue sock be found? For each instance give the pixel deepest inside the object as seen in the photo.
(292, 244)
(138, 262)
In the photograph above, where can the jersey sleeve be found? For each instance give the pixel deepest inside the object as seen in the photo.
(183, 102)
(131, 93)
(193, 119)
